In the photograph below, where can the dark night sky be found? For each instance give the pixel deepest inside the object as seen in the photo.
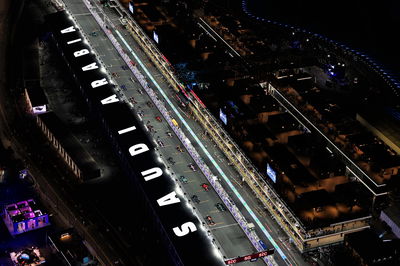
(369, 26)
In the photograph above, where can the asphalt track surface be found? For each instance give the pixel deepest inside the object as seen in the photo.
(226, 231)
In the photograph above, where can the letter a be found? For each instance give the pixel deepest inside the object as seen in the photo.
(69, 29)
(112, 99)
(90, 67)
(168, 199)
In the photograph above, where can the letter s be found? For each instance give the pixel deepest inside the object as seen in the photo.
(186, 229)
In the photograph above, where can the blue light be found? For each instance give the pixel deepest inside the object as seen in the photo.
(24, 256)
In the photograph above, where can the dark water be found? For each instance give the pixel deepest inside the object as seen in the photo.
(372, 27)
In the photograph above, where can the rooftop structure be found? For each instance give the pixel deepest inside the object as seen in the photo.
(391, 216)
(369, 249)
(28, 256)
(72, 247)
(384, 125)
(35, 98)
(375, 160)
(292, 161)
(80, 161)
(24, 216)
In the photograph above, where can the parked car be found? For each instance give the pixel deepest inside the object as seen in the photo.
(209, 220)
(179, 148)
(195, 199)
(205, 186)
(191, 166)
(132, 100)
(160, 143)
(183, 179)
(220, 207)
(149, 104)
(171, 160)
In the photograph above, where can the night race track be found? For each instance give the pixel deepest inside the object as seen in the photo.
(227, 232)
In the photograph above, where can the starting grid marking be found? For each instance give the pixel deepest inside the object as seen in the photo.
(223, 226)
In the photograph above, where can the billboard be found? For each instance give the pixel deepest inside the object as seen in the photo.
(131, 7)
(271, 173)
(251, 257)
(222, 116)
(155, 36)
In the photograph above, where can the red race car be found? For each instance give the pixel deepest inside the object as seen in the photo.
(210, 221)
(158, 119)
(205, 186)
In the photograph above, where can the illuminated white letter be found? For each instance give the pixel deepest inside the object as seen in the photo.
(151, 173)
(74, 41)
(122, 131)
(186, 229)
(138, 149)
(168, 199)
(112, 99)
(69, 29)
(98, 83)
(81, 52)
(90, 67)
